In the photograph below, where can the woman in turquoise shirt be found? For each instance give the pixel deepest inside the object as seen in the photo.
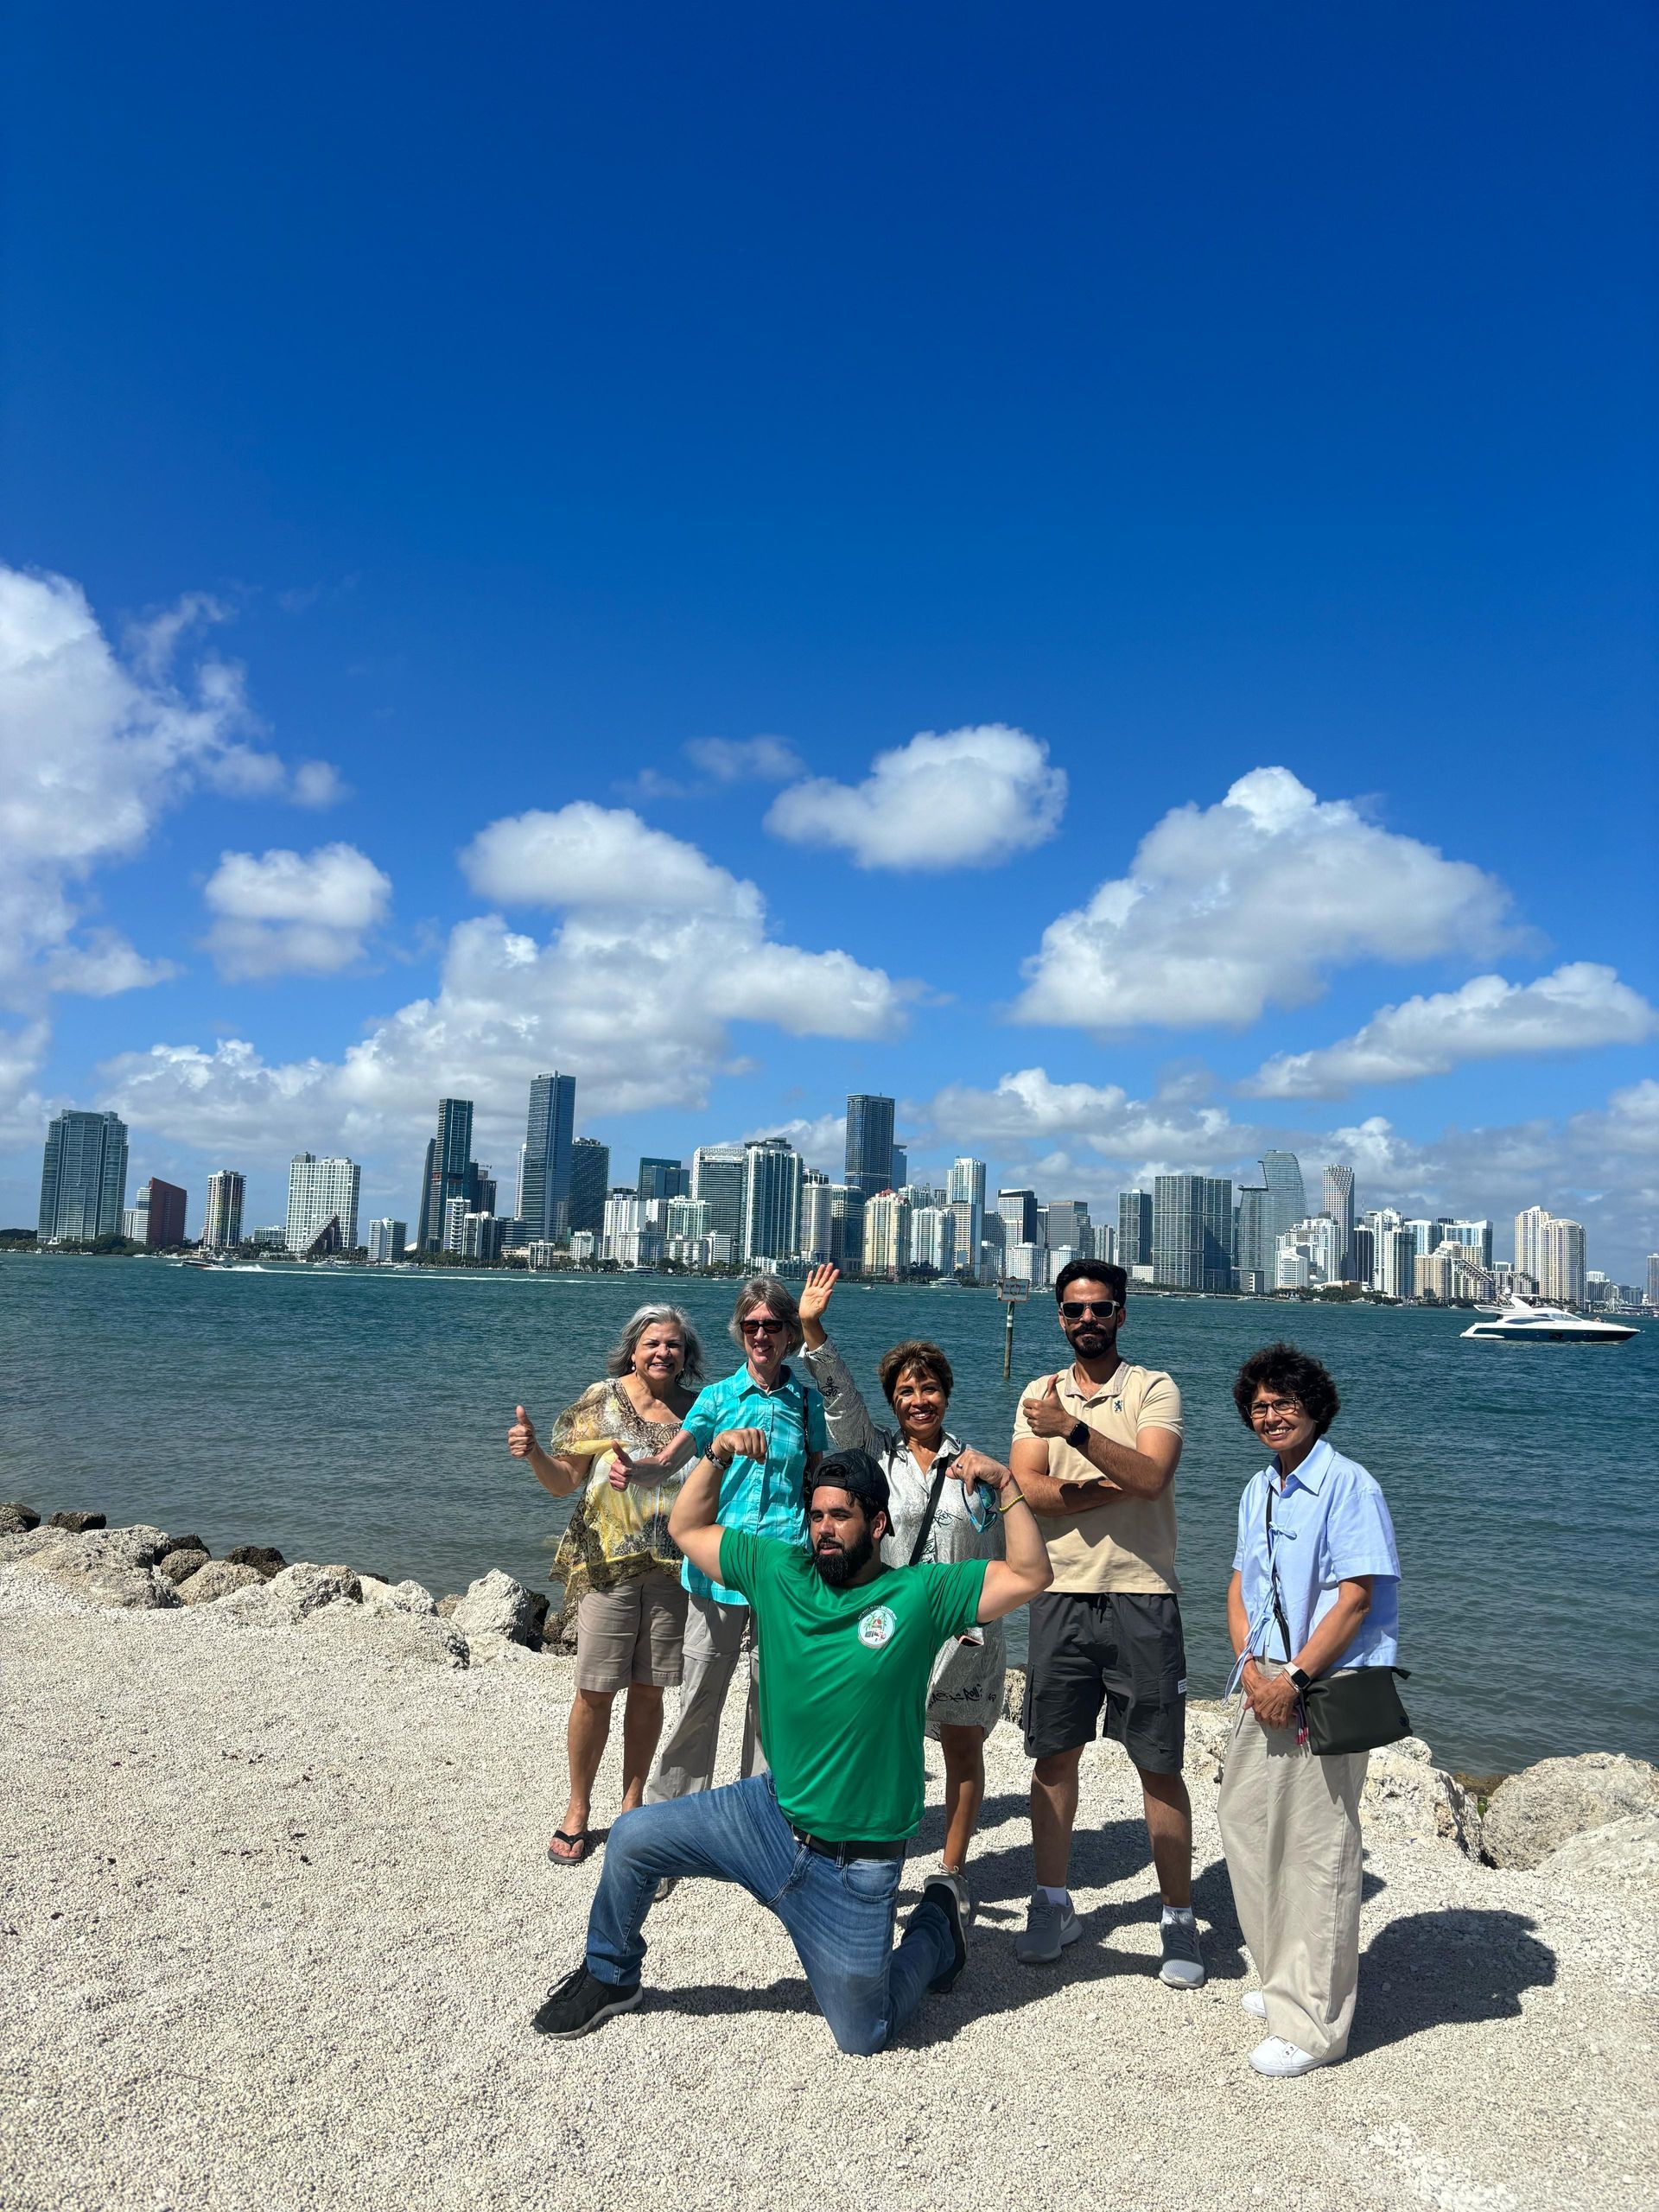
(1315, 1590)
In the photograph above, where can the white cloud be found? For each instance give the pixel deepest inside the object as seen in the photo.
(634, 993)
(940, 801)
(102, 964)
(747, 759)
(1028, 1108)
(92, 749)
(1232, 908)
(1579, 1006)
(319, 783)
(22, 1109)
(821, 1141)
(282, 913)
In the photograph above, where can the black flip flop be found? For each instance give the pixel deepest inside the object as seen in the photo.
(583, 1837)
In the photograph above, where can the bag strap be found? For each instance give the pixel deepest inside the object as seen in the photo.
(1273, 1576)
(929, 1510)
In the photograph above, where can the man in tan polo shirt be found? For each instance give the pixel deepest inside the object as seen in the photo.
(1095, 1450)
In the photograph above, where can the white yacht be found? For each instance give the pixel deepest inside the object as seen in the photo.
(1521, 1320)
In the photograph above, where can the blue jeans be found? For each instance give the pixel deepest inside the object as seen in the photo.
(839, 1919)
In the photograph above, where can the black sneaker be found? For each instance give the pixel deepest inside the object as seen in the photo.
(948, 1892)
(581, 2003)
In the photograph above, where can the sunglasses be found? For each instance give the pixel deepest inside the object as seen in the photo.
(1074, 1309)
(762, 1328)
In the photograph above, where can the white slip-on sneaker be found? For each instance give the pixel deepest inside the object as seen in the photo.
(1282, 2060)
(1255, 2004)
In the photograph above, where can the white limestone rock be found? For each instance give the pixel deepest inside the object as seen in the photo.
(497, 1605)
(1622, 1855)
(1534, 1813)
(216, 1579)
(388, 1633)
(1406, 1795)
(303, 1587)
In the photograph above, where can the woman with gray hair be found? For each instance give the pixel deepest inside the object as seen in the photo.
(619, 1566)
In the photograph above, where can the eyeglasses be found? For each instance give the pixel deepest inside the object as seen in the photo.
(1074, 1309)
(762, 1328)
(1269, 1408)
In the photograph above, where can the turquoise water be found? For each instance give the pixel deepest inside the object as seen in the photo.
(362, 1416)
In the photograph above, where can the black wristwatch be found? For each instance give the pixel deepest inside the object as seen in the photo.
(1078, 1436)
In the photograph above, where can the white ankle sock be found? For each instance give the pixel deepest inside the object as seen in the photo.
(1176, 1912)
(1061, 1897)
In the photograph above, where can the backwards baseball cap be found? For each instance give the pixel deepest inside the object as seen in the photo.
(855, 1472)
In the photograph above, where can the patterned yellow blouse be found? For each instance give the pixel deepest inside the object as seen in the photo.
(613, 1534)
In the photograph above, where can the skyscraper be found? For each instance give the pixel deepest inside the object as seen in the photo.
(1134, 1228)
(164, 1215)
(1287, 1199)
(717, 1174)
(887, 1234)
(319, 1190)
(1339, 1194)
(869, 1143)
(1530, 1228)
(388, 1239)
(933, 1239)
(1018, 1210)
(590, 1178)
(544, 1159)
(846, 1207)
(451, 1174)
(222, 1227)
(965, 1190)
(1254, 1248)
(1067, 1224)
(83, 1177)
(814, 1244)
(663, 1178)
(771, 1199)
(1475, 1236)
(899, 1168)
(1192, 1231)
(1563, 1278)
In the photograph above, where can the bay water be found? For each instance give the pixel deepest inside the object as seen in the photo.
(362, 1415)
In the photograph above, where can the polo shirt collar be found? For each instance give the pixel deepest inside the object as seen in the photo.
(1112, 1387)
(1314, 1469)
(747, 1384)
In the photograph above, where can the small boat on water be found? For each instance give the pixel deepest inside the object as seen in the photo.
(1522, 1320)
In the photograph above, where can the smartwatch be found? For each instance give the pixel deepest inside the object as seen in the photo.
(1078, 1436)
(1300, 1677)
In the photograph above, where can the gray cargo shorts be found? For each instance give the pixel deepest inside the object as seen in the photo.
(1120, 1649)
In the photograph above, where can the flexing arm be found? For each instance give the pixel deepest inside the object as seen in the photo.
(1024, 1571)
(691, 1523)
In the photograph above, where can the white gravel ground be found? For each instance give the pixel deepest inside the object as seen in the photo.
(274, 1917)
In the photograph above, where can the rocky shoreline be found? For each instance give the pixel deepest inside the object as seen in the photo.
(1600, 1811)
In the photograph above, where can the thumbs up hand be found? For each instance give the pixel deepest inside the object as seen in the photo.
(521, 1437)
(1046, 1416)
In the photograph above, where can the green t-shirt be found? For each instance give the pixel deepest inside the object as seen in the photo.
(844, 1682)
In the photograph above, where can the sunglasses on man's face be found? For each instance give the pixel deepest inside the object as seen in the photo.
(1074, 1309)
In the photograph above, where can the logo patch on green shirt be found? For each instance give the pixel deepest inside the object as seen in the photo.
(877, 1627)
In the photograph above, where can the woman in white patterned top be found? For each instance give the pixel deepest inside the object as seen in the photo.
(924, 1464)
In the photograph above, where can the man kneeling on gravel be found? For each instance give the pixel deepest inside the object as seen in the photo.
(850, 1644)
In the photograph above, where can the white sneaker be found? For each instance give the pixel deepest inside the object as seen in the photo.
(1048, 1930)
(965, 1904)
(1281, 2059)
(1255, 2004)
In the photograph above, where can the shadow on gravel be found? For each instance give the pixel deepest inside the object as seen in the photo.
(1433, 1967)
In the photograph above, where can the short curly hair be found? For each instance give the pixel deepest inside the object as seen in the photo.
(1298, 1375)
(916, 1352)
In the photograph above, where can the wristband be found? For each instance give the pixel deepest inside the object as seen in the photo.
(1017, 1497)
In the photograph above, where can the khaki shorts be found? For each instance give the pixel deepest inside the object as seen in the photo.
(634, 1633)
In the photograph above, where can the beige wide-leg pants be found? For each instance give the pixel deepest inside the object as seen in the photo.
(1290, 1829)
(714, 1637)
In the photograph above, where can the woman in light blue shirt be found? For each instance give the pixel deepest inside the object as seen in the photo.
(1315, 1590)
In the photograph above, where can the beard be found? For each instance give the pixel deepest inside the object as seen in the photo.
(838, 1565)
(1093, 1343)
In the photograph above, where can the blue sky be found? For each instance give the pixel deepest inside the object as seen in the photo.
(415, 430)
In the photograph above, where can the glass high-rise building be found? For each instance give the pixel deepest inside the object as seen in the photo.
(1192, 1231)
(83, 1177)
(164, 1210)
(1288, 1200)
(1067, 1224)
(1253, 1244)
(771, 1199)
(1133, 1229)
(450, 1171)
(965, 1191)
(869, 1143)
(846, 1207)
(663, 1178)
(388, 1240)
(1338, 1195)
(814, 1245)
(717, 1175)
(222, 1227)
(1018, 1210)
(544, 1159)
(590, 1178)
